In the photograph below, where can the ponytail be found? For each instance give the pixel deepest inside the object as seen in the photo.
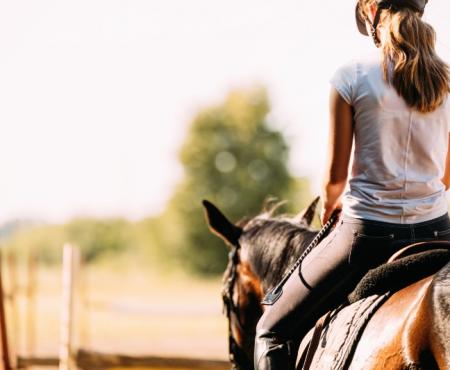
(410, 62)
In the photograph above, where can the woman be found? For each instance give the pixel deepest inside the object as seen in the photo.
(394, 106)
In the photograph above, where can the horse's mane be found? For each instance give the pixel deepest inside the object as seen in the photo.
(273, 244)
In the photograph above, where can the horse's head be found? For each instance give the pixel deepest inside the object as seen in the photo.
(260, 251)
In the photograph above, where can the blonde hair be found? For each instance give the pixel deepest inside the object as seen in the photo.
(410, 63)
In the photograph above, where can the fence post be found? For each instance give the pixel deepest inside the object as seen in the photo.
(31, 303)
(71, 257)
(13, 322)
(5, 364)
(82, 293)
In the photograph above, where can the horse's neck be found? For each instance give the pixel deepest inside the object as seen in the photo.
(284, 261)
(298, 249)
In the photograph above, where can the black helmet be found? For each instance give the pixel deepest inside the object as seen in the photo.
(417, 5)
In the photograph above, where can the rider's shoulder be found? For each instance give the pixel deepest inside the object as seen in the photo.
(350, 77)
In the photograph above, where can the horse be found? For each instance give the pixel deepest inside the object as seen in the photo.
(411, 329)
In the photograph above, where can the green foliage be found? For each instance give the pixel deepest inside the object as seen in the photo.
(96, 238)
(233, 158)
(46, 240)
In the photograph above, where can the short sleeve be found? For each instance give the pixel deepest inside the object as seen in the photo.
(344, 81)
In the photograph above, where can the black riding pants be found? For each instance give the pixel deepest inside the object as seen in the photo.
(333, 269)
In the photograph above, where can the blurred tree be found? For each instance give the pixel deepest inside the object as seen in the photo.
(233, 158)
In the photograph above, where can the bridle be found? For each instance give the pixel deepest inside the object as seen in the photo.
(236, 354)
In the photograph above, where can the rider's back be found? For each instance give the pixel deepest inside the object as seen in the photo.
(400, 153)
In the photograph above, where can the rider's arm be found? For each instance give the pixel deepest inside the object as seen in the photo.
(446, 178)
(339, 151)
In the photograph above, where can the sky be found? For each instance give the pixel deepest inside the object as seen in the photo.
(96, 95)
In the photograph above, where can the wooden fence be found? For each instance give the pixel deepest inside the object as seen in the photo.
(88, 360)
(69, 358)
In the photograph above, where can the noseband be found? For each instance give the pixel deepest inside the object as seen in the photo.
(236, 354)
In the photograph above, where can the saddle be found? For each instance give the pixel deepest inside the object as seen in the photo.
(331, 344)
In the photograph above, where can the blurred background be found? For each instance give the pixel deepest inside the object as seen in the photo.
(118, 117)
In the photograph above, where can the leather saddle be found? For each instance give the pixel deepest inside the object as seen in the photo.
(325, 347)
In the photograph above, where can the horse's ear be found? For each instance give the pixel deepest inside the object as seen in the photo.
(219, 224)
(307, 215)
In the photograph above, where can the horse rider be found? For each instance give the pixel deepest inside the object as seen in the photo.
(394, 106)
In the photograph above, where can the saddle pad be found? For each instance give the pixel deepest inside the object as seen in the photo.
(396, 275)
(342, 332)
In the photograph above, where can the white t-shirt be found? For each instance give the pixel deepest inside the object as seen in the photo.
(399, 154)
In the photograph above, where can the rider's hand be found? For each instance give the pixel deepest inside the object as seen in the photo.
(327, 211)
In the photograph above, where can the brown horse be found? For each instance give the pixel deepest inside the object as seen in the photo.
(411, 330)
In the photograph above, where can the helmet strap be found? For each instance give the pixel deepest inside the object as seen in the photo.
(373, 27)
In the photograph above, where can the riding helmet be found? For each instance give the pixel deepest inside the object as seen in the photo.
(417, 5)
